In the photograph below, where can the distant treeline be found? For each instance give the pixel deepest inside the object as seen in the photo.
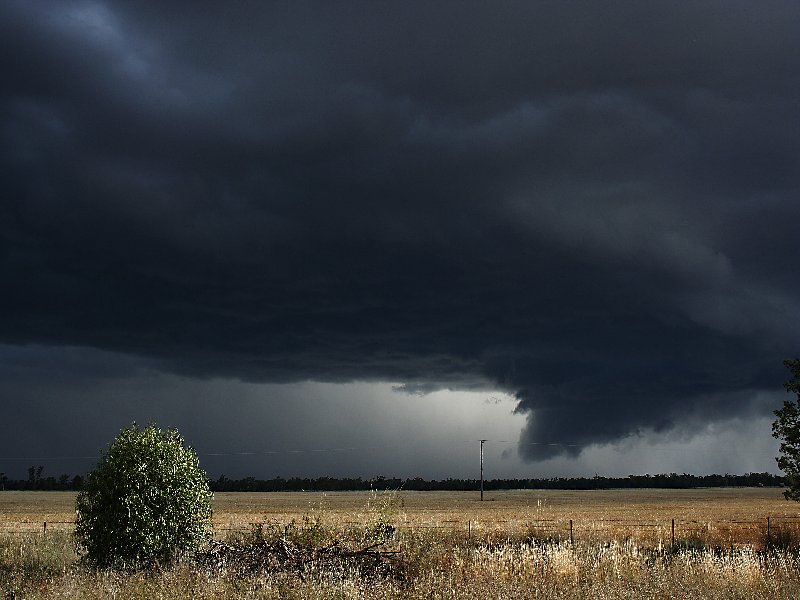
(330, 484)
(36, 481)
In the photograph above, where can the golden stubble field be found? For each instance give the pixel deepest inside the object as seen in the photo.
(719, 515)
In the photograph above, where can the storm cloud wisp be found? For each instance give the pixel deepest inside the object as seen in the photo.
(591, 207)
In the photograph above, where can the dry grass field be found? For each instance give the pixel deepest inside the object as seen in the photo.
(724, 515)
(515, 544)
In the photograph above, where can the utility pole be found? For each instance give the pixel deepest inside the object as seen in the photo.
(482, 469)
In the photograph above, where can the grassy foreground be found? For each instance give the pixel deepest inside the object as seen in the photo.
(508, 553)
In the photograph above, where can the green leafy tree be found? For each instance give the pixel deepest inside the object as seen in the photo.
(787, 429)
(146, 504)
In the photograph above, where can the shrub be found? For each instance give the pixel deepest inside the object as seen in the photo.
(146, 503)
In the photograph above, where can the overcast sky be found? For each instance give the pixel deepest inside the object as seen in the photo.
(356, 238)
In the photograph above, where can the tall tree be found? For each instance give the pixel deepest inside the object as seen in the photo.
(786, 428)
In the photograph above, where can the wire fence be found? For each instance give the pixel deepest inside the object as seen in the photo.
(723, 532)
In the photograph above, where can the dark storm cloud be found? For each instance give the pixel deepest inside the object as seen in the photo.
(590, 205)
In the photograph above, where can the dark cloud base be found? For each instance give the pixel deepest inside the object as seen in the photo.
(592, 208)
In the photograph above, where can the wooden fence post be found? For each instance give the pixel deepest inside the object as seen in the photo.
(769, 538)
(571, 540)
(45, 527)
(673, 533)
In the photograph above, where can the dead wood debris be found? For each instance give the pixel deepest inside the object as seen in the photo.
(263, 557)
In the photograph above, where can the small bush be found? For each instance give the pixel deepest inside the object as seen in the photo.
(146, 503)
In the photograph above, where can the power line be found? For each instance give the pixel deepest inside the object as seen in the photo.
(291, 451)
(231, 453)
(533, 443)
(46, 458)
(286, 451)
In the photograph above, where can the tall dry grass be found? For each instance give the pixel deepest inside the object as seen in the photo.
(436, 567)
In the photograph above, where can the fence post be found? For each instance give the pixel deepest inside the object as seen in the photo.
(571, 541)
(469, 530)
(769, 538)
(673, 533)
(45, 527)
